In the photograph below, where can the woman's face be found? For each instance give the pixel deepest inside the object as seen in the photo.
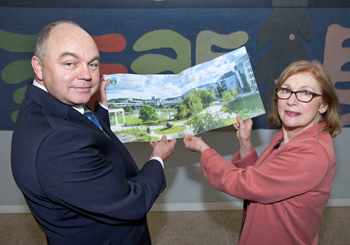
(298, 116)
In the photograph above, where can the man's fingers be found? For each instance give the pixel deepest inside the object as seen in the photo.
(164, 139)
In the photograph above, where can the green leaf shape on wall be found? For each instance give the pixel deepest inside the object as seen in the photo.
(13, 42)
(19, 95)
(155, 63)
(17, 72)
(14, 115)
(206, 39)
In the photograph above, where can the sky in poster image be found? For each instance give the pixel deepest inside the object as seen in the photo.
(171, 85)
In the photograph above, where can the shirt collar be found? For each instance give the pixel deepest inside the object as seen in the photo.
(36, 84)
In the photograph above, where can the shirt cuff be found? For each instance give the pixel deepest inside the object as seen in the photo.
(158, 159)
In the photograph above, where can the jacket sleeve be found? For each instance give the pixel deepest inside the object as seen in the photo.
(246, 161)
(294, 170)
(76, 174)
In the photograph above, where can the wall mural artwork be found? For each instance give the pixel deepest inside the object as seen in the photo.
(283, 30)
(169, 40)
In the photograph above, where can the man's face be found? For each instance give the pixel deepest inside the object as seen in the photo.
(70, 71)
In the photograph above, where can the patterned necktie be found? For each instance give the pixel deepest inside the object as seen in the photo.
(91, 117)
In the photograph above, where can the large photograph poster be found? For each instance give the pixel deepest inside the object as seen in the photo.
(201, 98)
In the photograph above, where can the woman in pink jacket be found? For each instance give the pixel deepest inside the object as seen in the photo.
(286, 188)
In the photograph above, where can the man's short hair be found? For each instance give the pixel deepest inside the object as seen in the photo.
(44, 34)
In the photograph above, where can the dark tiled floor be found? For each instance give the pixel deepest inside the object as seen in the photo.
(167, 228)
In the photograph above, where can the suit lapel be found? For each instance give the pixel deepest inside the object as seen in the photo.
(75, 116)
(68, 113)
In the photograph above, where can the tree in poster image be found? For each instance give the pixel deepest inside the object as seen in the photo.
(178, 112)
(207, 123)
(206, 96)
(186, 112)
(193, 102)
(128, 109)
(148, 114)
(164, 114)
(226, 96)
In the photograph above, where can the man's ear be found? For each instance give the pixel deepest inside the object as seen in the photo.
(37, 67)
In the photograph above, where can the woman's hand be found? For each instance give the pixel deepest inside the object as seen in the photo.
(244, 129)
(102, 91)
(195, 144)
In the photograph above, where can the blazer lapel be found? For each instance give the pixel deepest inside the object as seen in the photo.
(76, 117)
(66, 112)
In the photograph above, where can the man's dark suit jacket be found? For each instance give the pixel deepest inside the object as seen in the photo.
(82, 186)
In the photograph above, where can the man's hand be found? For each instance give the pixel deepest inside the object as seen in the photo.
(195, 144)
(163, 148)
(102, 90)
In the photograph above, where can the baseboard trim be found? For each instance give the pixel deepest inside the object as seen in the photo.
(14, 209)
(238, 205)
(168, 207)
(338, 203)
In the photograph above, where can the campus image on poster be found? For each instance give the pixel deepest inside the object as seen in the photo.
(207, 96)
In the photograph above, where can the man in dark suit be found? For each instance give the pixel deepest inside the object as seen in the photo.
(80, 182)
